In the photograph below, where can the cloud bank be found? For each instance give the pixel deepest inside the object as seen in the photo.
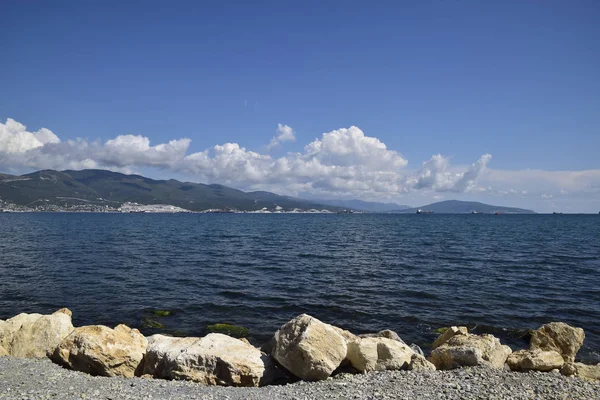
(341, 163)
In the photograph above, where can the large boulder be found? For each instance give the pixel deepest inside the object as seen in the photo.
(560, 337)
(11, 326)
(3, 352)
(35, 335)
(447, 334)
(215, 359)
(470, 350)
(534, 360)
(378, 354)
(309, 348)
(100, 350)
(591, 372)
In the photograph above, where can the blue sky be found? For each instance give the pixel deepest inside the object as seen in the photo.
(517, 79)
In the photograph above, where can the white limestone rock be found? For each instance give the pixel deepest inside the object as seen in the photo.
(379, 354)
(309, 348)
(215, 359)
(535, 360)
(470, 350)
(100, 350)
(559, 337)
(35, 335)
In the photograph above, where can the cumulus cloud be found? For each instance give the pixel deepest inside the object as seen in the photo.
(14, 137)
(346, 147)
(341, 163)
(136, 150)
(284, 134)
(438, 175)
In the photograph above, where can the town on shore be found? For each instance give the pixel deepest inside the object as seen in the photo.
(150, 209)
(304, 348)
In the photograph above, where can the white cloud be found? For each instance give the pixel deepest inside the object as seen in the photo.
(284, 134)
(346, 147)
(438, 175)
(341, 163)
(136, 150)
(14, 137)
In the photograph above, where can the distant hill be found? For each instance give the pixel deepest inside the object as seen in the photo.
(113, 188)
(466, 207)
(360, 205)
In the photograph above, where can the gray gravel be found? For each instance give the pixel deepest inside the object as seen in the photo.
(40, 379)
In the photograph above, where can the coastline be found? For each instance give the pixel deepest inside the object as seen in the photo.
(45, 356)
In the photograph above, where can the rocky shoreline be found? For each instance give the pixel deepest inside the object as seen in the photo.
(306, 358)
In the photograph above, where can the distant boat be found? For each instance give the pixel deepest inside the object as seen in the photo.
(419, 211)
(475, 212)
(497, 213)
(556, 213)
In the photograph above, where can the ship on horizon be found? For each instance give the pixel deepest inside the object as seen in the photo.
(419, 211)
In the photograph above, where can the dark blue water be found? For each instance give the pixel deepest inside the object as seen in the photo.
(410, 273)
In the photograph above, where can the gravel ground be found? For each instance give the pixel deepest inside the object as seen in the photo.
(40, 379)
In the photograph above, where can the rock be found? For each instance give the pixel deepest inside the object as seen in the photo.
(568, 369)
(559, 337)
(308, 348)
(470, 350)
(35, 335)
(347, 335)
(378, 354)
(388, 334)
(99, 350)
(534, 360)
(11, 326)
(455, 357)
(65, 311)
(215, 359)
(447, 334)
(3, 352)
(591, 372)
(588, 371)
(419, 363)
(417, 349)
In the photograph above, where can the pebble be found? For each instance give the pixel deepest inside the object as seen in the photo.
(41, 379)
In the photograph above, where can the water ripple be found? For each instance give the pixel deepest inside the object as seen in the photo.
(498, 274)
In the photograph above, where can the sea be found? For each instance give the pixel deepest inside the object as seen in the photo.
(414, 274)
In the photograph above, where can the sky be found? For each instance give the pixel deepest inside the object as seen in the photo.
(408, 102)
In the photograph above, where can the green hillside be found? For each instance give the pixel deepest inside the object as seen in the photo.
(113, 188)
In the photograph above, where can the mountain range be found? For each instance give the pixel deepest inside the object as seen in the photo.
(112, 188)
(371, 206)
(100, 187)
(465, 207)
